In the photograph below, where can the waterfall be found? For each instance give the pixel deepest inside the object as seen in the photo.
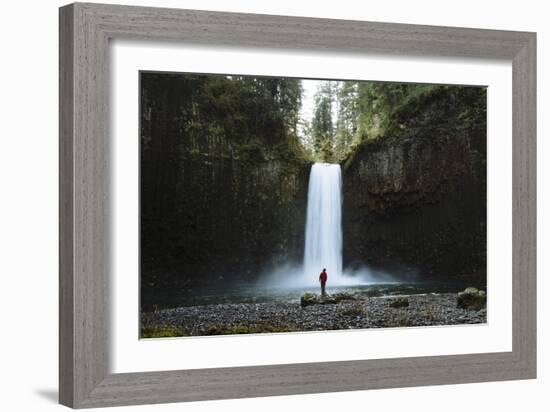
(323, 240)
(323, 247)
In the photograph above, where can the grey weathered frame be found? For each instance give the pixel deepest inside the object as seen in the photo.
(85, 30)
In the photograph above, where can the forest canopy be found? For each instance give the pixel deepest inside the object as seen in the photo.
(347, 114)
(314, 120)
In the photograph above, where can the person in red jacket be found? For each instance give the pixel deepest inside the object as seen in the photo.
(323, 279)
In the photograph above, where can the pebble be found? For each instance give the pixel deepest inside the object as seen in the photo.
(423, 310)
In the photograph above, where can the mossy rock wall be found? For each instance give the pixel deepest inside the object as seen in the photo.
(215, 208)
(415, 199)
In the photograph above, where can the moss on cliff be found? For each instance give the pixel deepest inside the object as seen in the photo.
(416, 194)
(223, 179)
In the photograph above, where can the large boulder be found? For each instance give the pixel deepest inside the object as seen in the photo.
(327, 299)
(343, 296)
(401, 302)
(308, 299)
(471, 298)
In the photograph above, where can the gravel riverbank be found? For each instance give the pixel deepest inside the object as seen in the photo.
(372, 312)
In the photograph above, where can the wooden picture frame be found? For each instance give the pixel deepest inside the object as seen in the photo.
(85, 31)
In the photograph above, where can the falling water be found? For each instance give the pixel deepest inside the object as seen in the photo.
(323, 248)
(323, 244)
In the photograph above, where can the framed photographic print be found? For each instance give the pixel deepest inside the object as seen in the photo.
(257, 205)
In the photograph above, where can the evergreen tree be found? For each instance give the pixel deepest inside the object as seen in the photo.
(322, 127)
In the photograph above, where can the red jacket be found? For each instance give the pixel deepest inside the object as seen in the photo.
(323, 277)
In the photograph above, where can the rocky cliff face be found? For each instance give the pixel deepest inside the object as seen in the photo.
(416, 198)
(214, 208)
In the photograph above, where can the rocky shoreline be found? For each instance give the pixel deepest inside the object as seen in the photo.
(370, 312)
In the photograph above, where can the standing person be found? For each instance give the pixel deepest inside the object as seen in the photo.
(323, 279)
